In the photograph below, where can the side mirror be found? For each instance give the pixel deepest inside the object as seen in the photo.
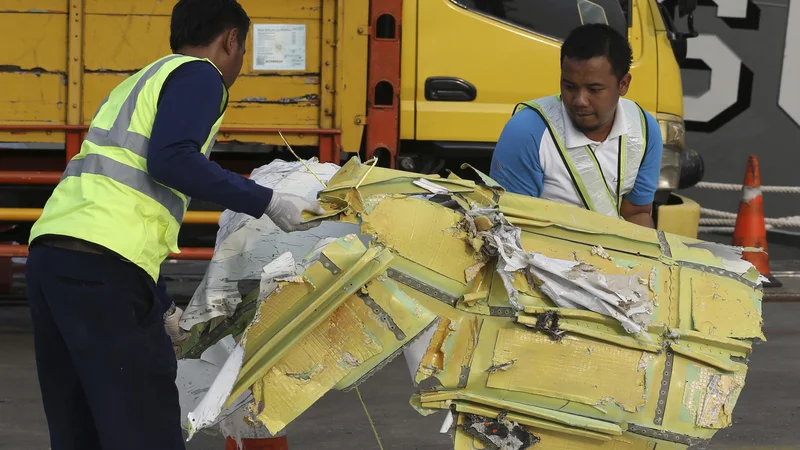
(686, 7)
(678, 38)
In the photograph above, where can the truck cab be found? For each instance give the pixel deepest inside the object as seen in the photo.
(467, 63)
(424, 85)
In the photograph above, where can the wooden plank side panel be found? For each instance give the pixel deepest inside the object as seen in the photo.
(121, 37)
(128, 43)
(34, 6)
(34, 98)
(258, 99)
(279, 9)
(44, 50)
(124, 43)
(252, 116)
(33, 67)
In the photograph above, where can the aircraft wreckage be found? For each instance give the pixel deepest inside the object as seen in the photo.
(534, 324)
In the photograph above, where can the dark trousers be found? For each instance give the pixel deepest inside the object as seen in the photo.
(105, 363)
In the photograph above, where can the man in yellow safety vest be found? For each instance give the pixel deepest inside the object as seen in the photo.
(105, 362)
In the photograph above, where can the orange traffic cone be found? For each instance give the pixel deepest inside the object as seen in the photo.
(751, 230)
(275, 443)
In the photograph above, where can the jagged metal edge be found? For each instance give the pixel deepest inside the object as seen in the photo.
(389, 358)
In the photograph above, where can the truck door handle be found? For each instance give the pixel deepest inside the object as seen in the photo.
(449, 89)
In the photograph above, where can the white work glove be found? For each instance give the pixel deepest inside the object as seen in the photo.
(286, 211)
(172, 324)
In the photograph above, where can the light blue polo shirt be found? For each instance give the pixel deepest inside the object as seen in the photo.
(527, 161)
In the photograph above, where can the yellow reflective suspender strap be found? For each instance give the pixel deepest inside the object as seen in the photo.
(557, 139)
(622, 163)
(589, 182)
(623, 156)
(596, 163)
(645, 132)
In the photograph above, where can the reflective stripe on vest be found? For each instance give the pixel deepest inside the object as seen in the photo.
(118, 135)
(106, 195)
(129, 176)
(581, 163)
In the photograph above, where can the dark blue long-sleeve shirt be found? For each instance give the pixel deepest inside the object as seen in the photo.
(187, 109)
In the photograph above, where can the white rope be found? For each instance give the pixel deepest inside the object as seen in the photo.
(738, 187)
(722, 221)
(717, 222)
(727, 230)
(717, 213)
(724, 218)
(793, 221)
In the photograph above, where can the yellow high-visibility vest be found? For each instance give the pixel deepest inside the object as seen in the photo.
(581, 163)
(106, 195)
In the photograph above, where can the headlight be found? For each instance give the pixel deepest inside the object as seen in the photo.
(670, 175)
(673, 130)
(673, 134)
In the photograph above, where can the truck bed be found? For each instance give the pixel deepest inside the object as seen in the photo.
(59, 59)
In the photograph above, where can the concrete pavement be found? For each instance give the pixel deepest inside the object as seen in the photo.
(766, 416)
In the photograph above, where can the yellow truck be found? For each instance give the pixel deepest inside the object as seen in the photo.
(417, 83)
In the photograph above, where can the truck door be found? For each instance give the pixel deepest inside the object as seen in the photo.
(478, 58)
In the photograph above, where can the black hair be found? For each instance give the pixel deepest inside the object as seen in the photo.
(597, 39)
(199, 22)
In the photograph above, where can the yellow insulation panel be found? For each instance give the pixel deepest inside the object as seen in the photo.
(313, 366)
(574, 369)
(723, 307)
(421, 238)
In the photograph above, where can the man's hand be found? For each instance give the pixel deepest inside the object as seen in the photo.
(172, 324)
(286, 210)
(640, 215)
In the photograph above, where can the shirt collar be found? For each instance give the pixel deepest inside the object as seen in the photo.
(576, 138)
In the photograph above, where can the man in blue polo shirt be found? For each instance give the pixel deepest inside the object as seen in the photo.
(586, 147)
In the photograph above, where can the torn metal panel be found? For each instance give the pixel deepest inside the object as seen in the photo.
(429, 235)
(245, 244)
(287, 316)
(558, 440)
(561, 324)
(714, 257)
(722, 307)
(313, 366)
(386, 181)
(410, 317)
(549, 415)
(592, 373)
(710, 396)
(450, 352)
(570, 284)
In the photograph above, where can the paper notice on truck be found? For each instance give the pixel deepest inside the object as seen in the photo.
(279, 47)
